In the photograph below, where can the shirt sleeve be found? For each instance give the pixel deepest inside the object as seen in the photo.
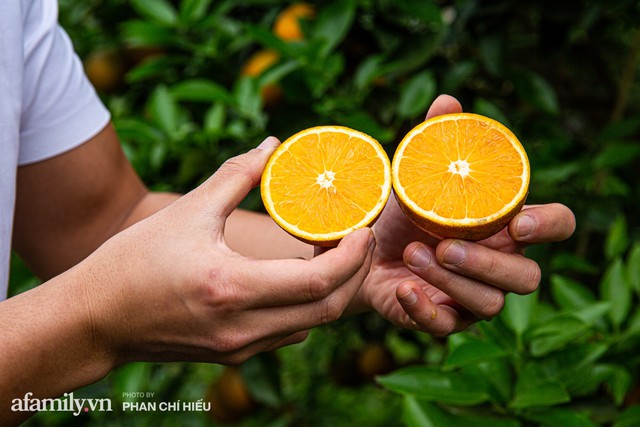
(60, 108)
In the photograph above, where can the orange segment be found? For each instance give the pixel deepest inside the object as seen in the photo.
(461, 175)
(324, 182)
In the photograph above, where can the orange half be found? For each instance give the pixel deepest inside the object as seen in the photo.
(325, 182)
(461, 175)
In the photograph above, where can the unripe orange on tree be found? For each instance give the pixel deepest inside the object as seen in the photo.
(105, 70)
(229, 396)
(375, 359)
(257, 64)
(287, 23)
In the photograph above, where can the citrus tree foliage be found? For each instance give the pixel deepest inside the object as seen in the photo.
(562, 75)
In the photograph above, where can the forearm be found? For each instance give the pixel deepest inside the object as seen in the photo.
(248, 233)
(48, 344)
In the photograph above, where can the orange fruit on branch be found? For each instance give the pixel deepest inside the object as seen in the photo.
(287, 23)
(324, 182)
(461, 175)
(255, 66)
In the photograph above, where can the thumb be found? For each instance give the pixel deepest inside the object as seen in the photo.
(236, 177)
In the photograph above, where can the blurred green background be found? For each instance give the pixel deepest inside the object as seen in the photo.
(191, 83)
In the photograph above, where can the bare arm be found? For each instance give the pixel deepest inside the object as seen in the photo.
(69, 205)
(165, 288)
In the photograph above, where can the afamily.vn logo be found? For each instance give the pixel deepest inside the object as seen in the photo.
(66, 403)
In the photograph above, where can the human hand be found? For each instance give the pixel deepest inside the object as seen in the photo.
(441, 287)
(177, 292)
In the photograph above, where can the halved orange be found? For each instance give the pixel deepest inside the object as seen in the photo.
(460, 175)
(324, 182)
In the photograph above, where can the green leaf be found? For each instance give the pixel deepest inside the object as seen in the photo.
(164, 109)
(333, 24)
(434, 385)
(536, 91)
(533, 388)
(573, 367)
(615, 288)
(592, 313)
(556, 174)
(368, 70)
(427, 12)
(518, 311)
(555, 333)
(263, 379)
(553, 417)
(365, 123)
(132, 376)
(617, 239)
(491, 50)
(617, 155)
(617, 378)
(498, 374)
(200, 90)
(143, 33)
(458, 75)
(497, 333)
(417, 413)
(214, 119)
(633, 267)
(160, 11)
(568, 293)
(247, 97)
(570, 262)
(193, 10)
(472, 351)
(137, 130)
(416, 95)
(487, 108)
(630, 417)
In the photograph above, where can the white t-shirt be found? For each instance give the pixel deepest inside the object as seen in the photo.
(47, 105)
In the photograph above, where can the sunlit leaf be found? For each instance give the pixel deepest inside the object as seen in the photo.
(432, 384)
(160, 11)
(518, 311)
(617, 238)
(200, 90)
(615, 288)
(568, 293)
(333, 23)
(633, 267)
(416, 95)
(473, 351)
(533, 388)
(417, 413)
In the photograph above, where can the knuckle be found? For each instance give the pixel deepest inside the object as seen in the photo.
(494, 304)
(318, 286)
(236, 167)
(330, 310)
(531, 278)
(225, 343)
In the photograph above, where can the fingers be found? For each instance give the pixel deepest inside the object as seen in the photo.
(322, 307)
(284, 282)
(236, 177)
(425, 315)
(483, 300)
(444, 104)
(509, 272)
(543, 223)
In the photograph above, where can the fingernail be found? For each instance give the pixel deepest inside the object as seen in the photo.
(524, 225)
(269, 142)
(455, 254)
(409, 298)
(420, 258)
